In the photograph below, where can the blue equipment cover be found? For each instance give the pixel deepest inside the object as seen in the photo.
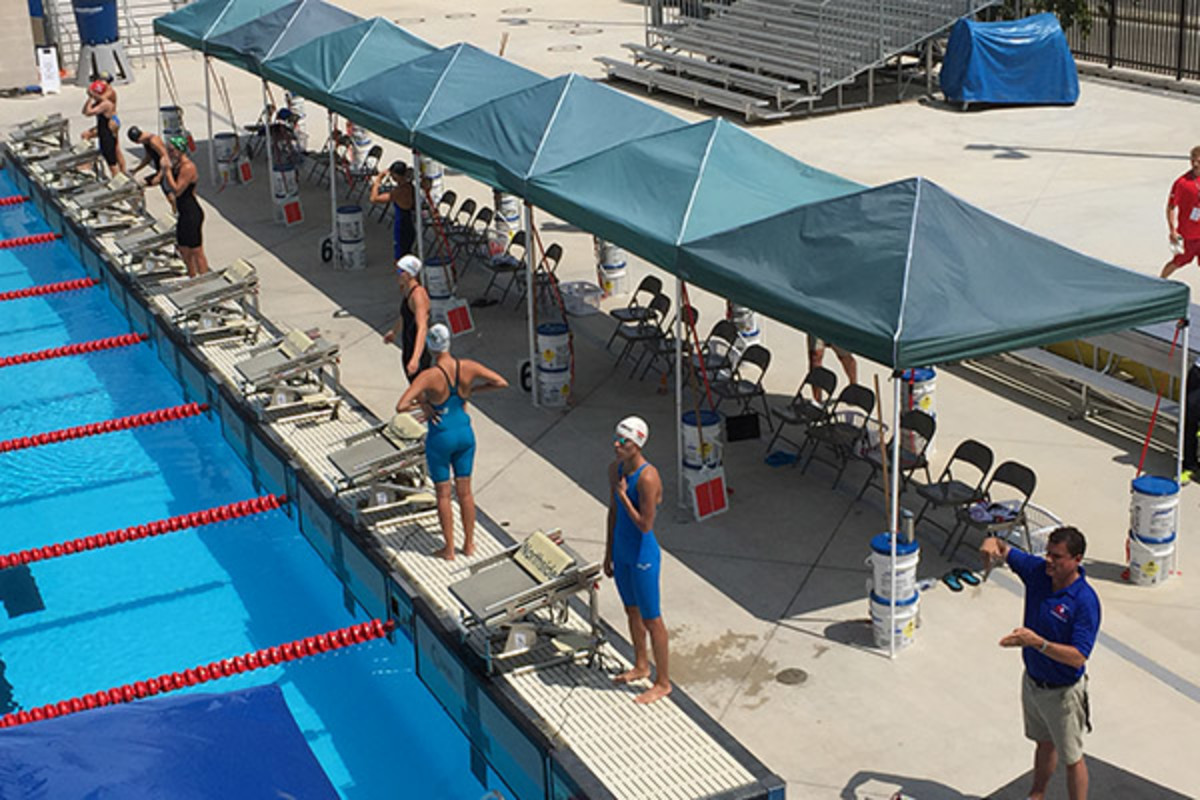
(234, 745)
(1023, 61)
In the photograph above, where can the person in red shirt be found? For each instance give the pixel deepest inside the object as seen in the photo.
(1183, 217)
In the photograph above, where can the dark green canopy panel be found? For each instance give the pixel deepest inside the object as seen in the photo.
(908, 275)
(904, 274)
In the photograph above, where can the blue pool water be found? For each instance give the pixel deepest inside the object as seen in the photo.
(108, 617)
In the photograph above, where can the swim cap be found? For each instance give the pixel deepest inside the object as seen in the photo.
(634, 429)
(135, 133)
(98, 87)
(398, 168)
(179, 142)
(438, 339)
(409, 265)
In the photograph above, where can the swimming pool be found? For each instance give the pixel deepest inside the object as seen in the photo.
(108, 617)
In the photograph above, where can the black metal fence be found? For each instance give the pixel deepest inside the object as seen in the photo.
(1161, 36)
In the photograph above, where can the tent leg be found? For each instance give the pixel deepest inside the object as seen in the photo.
(894, 522)
(212, 153)
(418, 200)
(532, 330)
(332, 192)
(680, 489)
(267, 115)
(157, 84)
(1184, 366)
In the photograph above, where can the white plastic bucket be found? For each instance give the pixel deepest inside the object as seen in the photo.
(917, 390)
(554, 387)
(350, 223)
(908, 619)
(352, 255)
(614, 280)
(708, 454)
(284, 182)
(436, 276)
(439, 308)
(361, 139)
(907, 556)
(170, 118)
(300, 112)
(435, 173)
(1151, 562)
(554, 346)
(225, 146)
(1153, 507)
(508, 213)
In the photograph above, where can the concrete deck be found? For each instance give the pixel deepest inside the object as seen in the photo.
(777, 583)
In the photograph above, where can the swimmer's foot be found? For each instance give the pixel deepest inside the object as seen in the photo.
(468, 548)
(445, 552)
(629, 676)
(653, 694)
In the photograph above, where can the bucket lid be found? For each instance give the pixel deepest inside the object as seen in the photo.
(225, 135)
(707, 418)
(882, 543)
(900, 601)
(919, 374)
(349, 209)
(552, 329)
(1155, 485)
(1151, 539)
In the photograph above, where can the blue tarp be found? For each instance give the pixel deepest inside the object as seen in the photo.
(1018, 62)
(239, 744)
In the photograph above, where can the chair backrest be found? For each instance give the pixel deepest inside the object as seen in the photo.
(1018, 476)
(819, 378)
(651, 285)
(462, 217)
(969, 451)
(859, 397)
(482, 220)
(517, 240)
(723, 331)
(660, 306)
(551, 257)
(922, 425)
(445, 203)
(756, 356)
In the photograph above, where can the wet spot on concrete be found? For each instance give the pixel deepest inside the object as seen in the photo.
(731, 656)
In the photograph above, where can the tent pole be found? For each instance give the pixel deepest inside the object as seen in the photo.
(333, 191)
(1185, 357)
(532, 332)
(158, 83)
(212, 157)
(418, 200)
(680, 493)
(267, 135)
(894, 522)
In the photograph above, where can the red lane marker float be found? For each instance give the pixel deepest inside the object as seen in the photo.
(48, 288)
(107, 426)
(203, 673)
(33, 238)
(196, 519)
(75, 349)
(13, 200)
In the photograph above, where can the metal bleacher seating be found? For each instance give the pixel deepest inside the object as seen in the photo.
(768, 59)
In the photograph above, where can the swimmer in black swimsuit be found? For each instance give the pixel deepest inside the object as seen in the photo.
(156, 157)
(183, 177)
(101, 103)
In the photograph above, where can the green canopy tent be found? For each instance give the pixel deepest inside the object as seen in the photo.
(276, 32)
(196, 22)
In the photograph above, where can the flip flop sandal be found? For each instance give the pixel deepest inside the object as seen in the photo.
(951, 580)
(966, 576)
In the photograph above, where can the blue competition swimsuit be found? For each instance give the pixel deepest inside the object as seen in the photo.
(636, 557)
(404, 233)
(450, 441)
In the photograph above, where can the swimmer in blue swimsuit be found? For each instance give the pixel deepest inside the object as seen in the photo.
(403, 198)
(442, 392)
(632, 557)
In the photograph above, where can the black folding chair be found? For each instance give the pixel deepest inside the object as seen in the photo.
(995, 519)
(844, 430)
(664, 349)
(645, 331)
(509, 263)
(916, 432)
(950, 490)
(804, 412)
(637, 308)
(746, 385)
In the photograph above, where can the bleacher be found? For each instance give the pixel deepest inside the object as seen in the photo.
(768, 59)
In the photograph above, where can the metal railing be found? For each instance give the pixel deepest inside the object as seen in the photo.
(1160, 36)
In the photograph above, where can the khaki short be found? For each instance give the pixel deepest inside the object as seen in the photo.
(1056, 715)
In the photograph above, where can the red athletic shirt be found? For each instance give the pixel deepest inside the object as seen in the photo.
(1185, 195)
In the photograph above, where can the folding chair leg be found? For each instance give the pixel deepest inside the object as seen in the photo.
(948, 551)
(921, 514)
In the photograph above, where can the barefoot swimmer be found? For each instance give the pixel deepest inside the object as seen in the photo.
(632, 557)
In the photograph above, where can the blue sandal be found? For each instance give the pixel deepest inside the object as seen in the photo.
(966, 576)
(951, 580)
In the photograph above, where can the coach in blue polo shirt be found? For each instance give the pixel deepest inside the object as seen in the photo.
(1062, 618)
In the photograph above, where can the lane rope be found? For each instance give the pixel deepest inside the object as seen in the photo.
(13, 200)
(196, 519)
(77, 348)
(203, 673)
(49, 288)
(33, 238)
(106, 426)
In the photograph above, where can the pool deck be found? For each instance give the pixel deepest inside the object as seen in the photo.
(777, 582)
